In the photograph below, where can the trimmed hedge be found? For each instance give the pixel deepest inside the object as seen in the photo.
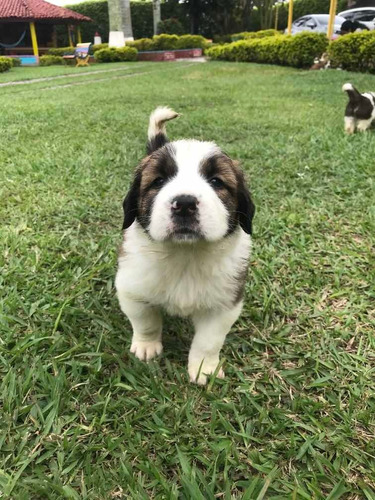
(142, 44)
(5, 64)
(354, 52)
(298, 51)
(50, 60)
(247, 35)
(61, 51)
(158, 42)
(99, 46)
(116, 55)
(192, 42)
(170, 42)
(15, 62)
(65, 51)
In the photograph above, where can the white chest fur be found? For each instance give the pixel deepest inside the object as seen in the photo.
(182, 278)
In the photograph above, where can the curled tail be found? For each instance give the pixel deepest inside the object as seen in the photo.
(353, 94)
(156, 129)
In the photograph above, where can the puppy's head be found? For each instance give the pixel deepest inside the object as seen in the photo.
(186, 190)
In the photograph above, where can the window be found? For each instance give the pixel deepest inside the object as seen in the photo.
(367, 15)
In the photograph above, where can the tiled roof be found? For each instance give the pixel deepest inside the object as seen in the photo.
(37, 10)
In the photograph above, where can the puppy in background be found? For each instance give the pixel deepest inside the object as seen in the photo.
(360, 110)
(187, 226)
(321, 62)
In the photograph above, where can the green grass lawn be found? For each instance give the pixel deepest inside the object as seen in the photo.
(81, 418)
(30, 73)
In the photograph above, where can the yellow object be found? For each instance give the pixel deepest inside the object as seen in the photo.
(276, 16)
(70, 37)
(332, 15)
(290, 17)
(34, 39)
(79, 37)
(81, 54)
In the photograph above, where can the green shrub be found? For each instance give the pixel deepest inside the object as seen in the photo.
(247, 35)
(116, 55)
(222, 39)
(60, 51)
(192, 42)
(170, 26)
(99, 46)
(170, 42)
(368, 52)
(16, 62)
(5, 64)
(302, 49)
(49, 60)
(298, 50)
(164, 42)
(354, 52)
(143, 44)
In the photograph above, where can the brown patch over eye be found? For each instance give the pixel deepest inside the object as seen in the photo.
(156, 170)
(223, 176)
(219, 172)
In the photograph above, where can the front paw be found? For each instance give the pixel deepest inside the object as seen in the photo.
(199, 370)
(146, 350)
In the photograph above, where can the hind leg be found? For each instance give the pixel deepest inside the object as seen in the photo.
(350, 124)
(363, 125)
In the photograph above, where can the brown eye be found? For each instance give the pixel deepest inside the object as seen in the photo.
(216, 183)
(157, 183)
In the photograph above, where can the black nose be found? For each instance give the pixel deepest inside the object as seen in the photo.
(184, 205)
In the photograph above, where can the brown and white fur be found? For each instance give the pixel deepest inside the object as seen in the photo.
(321, 62)
(187, 226)
(360, 110)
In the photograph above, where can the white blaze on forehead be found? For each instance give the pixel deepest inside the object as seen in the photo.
(189, 154)
(212, 214)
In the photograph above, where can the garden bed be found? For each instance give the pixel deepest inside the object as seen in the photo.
(168, 55)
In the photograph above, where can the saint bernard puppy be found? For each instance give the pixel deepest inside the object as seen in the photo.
(360, 110)
(187, 227)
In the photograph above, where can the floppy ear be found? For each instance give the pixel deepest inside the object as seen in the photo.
(130, 204)
(245, 207)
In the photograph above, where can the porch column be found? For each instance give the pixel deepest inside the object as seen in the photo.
(54, 37)
(290, 17)
(34, 39)
(331, 21)
(70, 37)
(79, 36)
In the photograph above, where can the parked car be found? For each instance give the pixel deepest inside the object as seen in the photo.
(318, 23)
(364, 15)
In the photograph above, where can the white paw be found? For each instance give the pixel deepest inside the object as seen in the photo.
(145, 350)
(199, 371)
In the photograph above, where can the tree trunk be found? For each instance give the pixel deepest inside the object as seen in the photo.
(246, 14)
(157, 15)
(195, 11)
(126, 19)
(120, 17)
